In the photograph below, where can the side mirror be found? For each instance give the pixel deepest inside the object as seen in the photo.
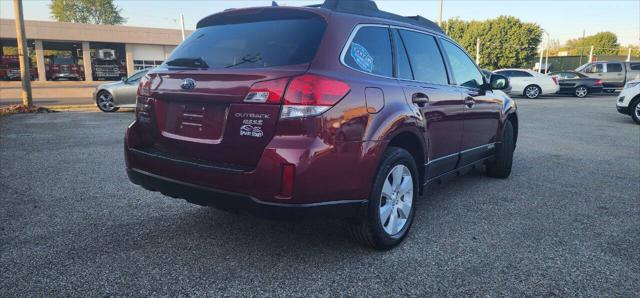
(498, 82)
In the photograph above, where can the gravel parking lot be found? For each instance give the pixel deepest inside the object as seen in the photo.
(567, 222)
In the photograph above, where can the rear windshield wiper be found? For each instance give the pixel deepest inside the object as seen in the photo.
(188, 62)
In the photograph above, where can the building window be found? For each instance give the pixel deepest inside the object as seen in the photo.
(144, 64)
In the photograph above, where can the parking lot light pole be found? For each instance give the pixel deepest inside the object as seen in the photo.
(182, 25)
(23, 54)
(540, 63)
(440, 13)
(591, 55)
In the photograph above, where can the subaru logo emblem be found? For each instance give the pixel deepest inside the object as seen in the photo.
(188, 84)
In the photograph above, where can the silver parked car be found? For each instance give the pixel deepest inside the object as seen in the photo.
(112, 96)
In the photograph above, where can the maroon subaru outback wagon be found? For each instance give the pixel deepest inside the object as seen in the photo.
(338, 109)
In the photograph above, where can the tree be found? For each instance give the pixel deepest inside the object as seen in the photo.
(504, 41)
(604, 43)
(86, 11)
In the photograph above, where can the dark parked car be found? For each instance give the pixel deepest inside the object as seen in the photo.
(573, 82)
(339, 109)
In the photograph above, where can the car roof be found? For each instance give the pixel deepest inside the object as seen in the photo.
(360, 10)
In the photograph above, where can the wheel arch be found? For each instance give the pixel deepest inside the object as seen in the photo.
(411, 141)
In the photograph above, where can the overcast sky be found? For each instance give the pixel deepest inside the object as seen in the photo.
(562, 19)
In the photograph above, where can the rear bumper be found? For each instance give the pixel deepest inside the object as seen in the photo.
(238, 202)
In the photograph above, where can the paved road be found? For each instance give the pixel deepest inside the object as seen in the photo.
(566, 223)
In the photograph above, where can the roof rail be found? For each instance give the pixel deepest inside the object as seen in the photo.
(370, 9)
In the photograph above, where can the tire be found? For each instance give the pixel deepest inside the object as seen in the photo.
(581, 92)
(104, 101)
(376, 229)
(532, 91)
(501, 166)
(634, 110)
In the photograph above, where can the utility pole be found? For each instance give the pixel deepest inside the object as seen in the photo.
(182, 25)
(591, 55)
(541, 56)
(440, 14)
(478, 51)
(546, 59)
(23, 54)
(629, 55)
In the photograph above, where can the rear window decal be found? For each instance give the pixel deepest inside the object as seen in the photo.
(361, 56)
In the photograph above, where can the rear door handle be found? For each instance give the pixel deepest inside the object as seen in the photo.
(469, 102)
(420, 99)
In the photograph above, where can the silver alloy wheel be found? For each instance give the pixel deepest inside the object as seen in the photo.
(581, 91)
(396, 199)
(638, 110)
(105, 101)
(532, 92)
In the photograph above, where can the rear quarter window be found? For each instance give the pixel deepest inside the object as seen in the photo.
(265, 39)
(370, 51)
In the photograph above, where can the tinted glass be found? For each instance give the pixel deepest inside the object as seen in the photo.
(252, 44)
(614, 67)
(505, 73)
(634, 66)
(136, 76)
(521, 74)
(425, 58)
(370, 51)
(594, 68)
(463, 69)
(404, 69)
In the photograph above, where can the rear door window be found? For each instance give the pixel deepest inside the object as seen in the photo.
(463, 69)
(370, 51)
(424, 55)
(267, 39)
(521, 74)
(614, 67)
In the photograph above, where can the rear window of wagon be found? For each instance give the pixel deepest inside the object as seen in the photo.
(256, 39)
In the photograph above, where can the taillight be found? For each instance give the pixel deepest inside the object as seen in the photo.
(144, 88)
(310, 95)
(599, 82)
(555, 80)
(267, 91)
(286, 184)
(144, 107)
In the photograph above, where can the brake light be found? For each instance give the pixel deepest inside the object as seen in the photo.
(599, 82)
(310, 95)
(286, 185)
(267, 91)
(555, 80)
(144, 88)
(144, 106)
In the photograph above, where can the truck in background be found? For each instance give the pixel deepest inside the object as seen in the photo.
(10, 68)
(64, 67)
(614, 74)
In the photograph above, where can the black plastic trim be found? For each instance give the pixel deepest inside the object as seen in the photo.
(239, 202)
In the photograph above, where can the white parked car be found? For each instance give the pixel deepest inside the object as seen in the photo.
(628, 102)
(529, 83)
